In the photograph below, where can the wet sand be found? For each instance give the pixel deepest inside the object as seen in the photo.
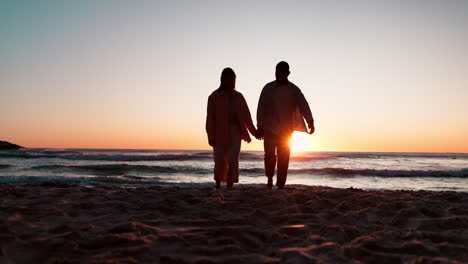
(60, 223)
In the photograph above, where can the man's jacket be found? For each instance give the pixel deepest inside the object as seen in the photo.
(282, 108)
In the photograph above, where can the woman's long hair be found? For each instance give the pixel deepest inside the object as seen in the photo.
(224, 74)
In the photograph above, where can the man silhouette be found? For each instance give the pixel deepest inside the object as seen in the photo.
(282, 109)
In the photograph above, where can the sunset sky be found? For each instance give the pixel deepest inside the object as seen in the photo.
(378, 75)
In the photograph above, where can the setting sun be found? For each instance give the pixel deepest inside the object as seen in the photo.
(300, 141)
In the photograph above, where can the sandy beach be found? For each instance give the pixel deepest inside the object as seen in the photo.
(61, 223)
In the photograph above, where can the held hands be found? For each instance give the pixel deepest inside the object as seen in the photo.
(259, 135)
(212, 142)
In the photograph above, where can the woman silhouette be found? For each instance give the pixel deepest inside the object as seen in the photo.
(227, 121)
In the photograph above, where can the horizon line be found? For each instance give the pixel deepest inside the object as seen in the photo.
(180, 149)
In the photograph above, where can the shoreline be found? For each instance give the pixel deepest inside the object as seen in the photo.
(117, 182)
(61, 223)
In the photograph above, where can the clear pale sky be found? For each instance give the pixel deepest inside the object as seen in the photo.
(378, 75)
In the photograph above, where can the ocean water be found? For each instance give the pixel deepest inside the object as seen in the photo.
(136, 168)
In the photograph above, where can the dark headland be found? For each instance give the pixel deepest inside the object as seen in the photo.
(8, 146)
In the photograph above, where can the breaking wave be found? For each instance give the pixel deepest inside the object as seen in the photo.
(123, 169)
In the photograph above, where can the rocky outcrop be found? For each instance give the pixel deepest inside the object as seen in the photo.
(8, 146)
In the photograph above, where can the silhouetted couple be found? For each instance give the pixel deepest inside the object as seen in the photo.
(281, 110)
